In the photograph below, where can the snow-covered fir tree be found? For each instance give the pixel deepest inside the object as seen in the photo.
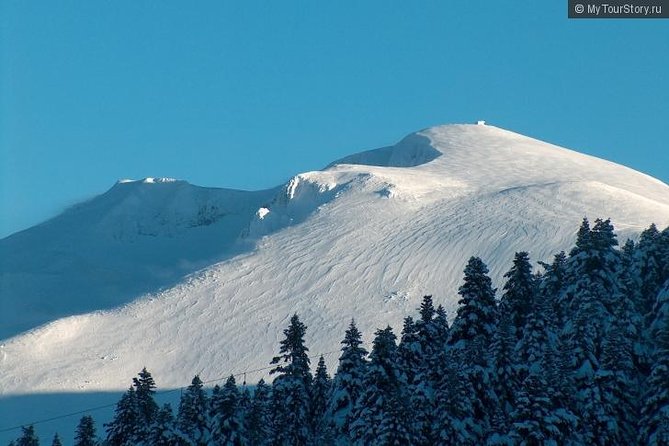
(56, 440)
(519, 292)
(163, 430)
(226, 416)
(291, 388)
(122, 430)
(147, 408)
(85, 434)
(471, 337)
(28, 437)
(192, 418)
(567, 358)
(320, 392)
(655, 406)
(347, 384)
(257, 423)
(381, 413)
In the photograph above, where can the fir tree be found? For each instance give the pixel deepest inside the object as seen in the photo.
(192, 419)
(551, 288)
(28, 437)
(347, 384)
(619, 388)
(455, 424)
(380, 412)
(441, 323)
(471, 335)
(410, 351)
(163, 431)
(519, 292)
(56, 440)
(655, 407)
(122, 430)
(534, 339)
(147, 408)
(320, 391)
(533, 421)
(85, 434)
(257, 424)
(227, 420)
(648, 266)
(476, 315)
(504, 370)
(291, 388)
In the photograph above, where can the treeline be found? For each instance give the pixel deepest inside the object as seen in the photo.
(576, 354)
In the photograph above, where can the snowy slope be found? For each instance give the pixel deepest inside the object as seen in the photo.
(366, 237)
(135, 238)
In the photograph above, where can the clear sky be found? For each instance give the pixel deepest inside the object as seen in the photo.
(244, 94)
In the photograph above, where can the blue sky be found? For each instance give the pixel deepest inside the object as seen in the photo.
(246, 94)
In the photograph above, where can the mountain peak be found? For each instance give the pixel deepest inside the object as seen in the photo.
(150, 180)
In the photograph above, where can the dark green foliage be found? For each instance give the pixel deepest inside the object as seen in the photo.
(519, 292)
(655, 407)
(192, 419)
(85, 434)
(257, 423)
(163, 431)
(381, 412)
(226, 415)
(477, 314)
(122, 430)
(320, 392)
(56, 440)
(291, 388)
(347, 384)
(504, 367)
(533, 421)
(28, 437)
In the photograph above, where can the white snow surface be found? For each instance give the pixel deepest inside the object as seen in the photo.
(186, 280)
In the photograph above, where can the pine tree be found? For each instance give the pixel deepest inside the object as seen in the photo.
(455, 424)
(519, 292)
(648, 263)
(320, 392)
(28, 437)
(291, 388)
(441, 322)
(347, 384)
(147, 408)
(551, 288)
(471, 335)
(410, 351)
(504, 370)
(619, 387)
(655, 404)
(85, 434)
(417, 343)
(535, 337)
(163, 431)
(227, 421)
(192, 419)
(257, 424)
(381, 411)
(122, 430)
(477, 311)
(533, 420)
(56, 440)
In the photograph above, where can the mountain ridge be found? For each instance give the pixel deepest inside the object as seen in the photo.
(352, 240)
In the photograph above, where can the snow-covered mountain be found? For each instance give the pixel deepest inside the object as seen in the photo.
(198, 280)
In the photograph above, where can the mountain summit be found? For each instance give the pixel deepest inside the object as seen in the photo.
(196, 279)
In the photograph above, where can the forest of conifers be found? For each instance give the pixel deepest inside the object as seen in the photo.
(575, 352)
